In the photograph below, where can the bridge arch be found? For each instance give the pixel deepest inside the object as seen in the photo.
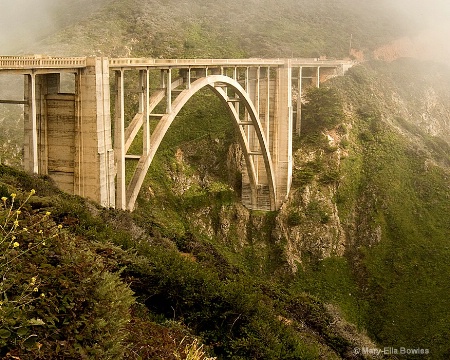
(218, 83)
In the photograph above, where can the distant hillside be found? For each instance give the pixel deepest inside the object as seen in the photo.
(235, 28)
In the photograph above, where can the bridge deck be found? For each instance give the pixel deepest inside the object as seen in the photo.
(47, 62)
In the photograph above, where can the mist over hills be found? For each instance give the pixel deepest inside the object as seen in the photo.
(236, 28)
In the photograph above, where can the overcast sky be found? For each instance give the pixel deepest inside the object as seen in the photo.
(428, 10)
(24, 20)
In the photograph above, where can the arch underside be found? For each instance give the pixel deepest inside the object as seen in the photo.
(220, 85)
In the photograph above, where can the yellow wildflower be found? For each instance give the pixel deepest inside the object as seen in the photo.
(33, 280)
(32, 192)
(42, 295)
(18, 212)
(35, 289)
(47, 213)
(13, 195)
(4, 198)
(59, 226)
(16, 244)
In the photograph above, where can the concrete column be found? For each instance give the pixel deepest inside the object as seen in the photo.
(298, 120)
(251, 85)
(119, 141)
(94, 167)
(144, 101)
(318, 77)
(36, 88)
(169, 91)
(283, 127)
(49, 85)
(30, 156)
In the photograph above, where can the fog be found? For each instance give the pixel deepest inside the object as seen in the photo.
(426, 23)
(422, 12)
(23, 22)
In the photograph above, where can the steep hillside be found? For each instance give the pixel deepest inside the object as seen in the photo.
(79, 281)
(366, 226)
(23, 23)
(378, 188)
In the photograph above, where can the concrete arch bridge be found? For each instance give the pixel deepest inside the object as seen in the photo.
(72, 138)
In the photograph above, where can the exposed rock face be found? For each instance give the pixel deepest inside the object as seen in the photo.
(319, 235)
(307, 226)
(309, 221)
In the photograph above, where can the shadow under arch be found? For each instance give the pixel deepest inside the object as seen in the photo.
(217, 84)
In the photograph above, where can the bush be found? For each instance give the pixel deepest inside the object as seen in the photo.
(294, 218)
(58, 297)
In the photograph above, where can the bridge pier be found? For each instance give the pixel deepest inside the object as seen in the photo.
(36, 88)
(94, 155)
(283, 132)
(271, 92)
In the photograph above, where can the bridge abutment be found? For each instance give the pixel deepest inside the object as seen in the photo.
(68, 135)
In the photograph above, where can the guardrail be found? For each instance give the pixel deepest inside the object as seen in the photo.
(152, 62)
(33, 62)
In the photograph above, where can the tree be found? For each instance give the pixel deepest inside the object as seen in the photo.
(321, 110)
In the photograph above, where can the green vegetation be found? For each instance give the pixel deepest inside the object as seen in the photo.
(44, 312)
(11, 136)
(392, 200)
(322, 110)
(402, 239)
(238, 315)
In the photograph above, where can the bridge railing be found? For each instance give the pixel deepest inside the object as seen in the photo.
(23, 62)
(152, 62)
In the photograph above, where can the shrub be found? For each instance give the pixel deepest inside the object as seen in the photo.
(192, 351)
(19, 291)
(294, 218)
(330, 176)
(58, 299)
